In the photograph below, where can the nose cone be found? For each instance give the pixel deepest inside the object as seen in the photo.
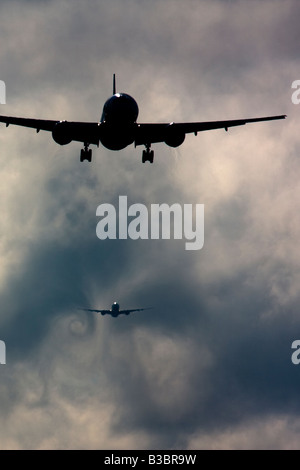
(120, 108)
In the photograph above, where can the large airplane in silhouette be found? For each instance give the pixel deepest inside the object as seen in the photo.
(118, 128)
(115, 310)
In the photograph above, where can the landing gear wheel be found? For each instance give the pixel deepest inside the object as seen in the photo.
(148, 155)
(86, 154)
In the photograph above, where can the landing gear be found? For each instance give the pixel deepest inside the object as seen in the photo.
(148, 155)
(86, 153)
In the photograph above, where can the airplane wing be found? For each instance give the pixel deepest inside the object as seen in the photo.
(153, 133)
(103, 312)
(38, 124)
(69, 130)
(127, 312)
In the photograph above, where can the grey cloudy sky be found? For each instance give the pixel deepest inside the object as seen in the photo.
(210, 366)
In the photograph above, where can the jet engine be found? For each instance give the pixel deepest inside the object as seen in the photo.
(174, 137)
(61, 133)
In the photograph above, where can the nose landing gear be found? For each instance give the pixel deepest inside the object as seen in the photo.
(148, 155)
(86, 153)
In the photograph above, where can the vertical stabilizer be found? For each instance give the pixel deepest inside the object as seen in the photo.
(114, 84)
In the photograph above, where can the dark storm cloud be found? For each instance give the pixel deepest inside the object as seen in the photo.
(210, 365)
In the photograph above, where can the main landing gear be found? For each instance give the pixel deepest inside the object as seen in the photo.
(86, 153)
(148, 155)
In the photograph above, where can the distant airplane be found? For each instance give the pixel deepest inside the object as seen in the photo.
(115, 310)
(118, 128)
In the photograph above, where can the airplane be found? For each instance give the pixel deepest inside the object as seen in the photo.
(118, 128)
(115, 310)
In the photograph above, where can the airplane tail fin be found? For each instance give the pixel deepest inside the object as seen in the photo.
(114, 84)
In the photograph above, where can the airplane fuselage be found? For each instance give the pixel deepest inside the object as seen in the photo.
(115, 308)
(118, 121)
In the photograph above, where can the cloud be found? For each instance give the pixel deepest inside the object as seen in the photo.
(273, 433)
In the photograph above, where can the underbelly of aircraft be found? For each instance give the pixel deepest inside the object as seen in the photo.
(116, 137)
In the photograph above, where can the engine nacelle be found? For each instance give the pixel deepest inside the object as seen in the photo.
(174, 137)
(61, 133)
